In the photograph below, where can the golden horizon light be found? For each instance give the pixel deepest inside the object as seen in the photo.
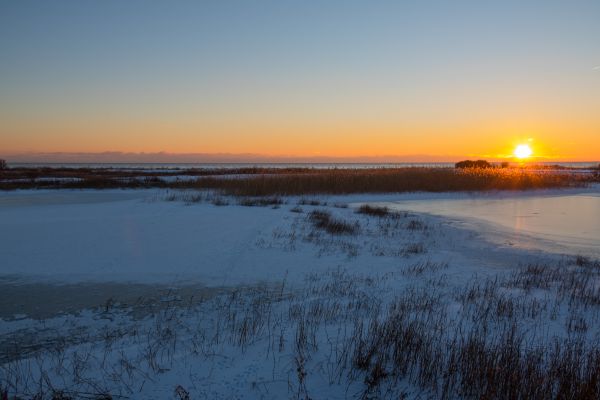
(523, 151)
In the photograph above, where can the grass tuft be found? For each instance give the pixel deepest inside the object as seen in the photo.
(324, 220)
(373, 211)
(260, 201)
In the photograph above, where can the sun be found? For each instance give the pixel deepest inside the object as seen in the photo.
(523, 151)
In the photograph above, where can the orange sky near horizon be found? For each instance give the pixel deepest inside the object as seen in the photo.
(496, 140)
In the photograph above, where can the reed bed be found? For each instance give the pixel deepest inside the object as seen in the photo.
(302, 181)
(390, 181)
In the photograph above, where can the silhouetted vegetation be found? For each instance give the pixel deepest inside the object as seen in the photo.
(473, 164)
(2, 164)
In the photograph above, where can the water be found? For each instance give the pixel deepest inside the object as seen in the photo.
(176, 166)
(567, 223)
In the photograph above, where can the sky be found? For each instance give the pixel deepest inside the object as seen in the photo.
(428, 80)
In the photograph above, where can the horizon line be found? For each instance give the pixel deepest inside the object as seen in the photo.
(162, 157)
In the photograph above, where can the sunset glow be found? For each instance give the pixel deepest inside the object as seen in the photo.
(523, 151)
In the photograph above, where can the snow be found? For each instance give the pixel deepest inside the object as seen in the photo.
(212, 298)
(134, 236)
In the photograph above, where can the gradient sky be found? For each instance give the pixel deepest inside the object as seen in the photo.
(447, 79)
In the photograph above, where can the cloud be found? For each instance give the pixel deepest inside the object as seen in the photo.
(596, 68)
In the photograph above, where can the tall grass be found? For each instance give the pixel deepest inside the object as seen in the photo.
(390, 181)
(305, 181)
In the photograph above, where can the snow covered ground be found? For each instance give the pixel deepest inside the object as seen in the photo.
(155, 294)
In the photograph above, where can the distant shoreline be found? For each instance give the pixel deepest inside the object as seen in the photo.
(229, 165)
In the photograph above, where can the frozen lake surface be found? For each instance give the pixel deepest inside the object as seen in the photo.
(566, 223)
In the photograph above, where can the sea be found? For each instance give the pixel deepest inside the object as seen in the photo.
(184, 166)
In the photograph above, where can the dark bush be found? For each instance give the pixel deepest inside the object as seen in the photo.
(473, 164)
